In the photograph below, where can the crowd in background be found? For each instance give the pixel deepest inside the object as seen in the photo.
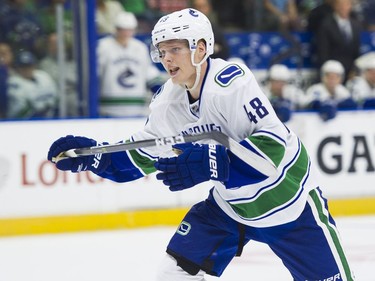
(29, 75)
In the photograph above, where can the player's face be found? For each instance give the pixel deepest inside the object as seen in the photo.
(123, 35)
(370, 76)
(277, 87)
(175, 56)
(331, 80)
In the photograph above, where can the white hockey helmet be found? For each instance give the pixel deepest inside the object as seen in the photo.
(126, 20)
(366, 61)
(332, 66)
(187, 24)
(279, 72)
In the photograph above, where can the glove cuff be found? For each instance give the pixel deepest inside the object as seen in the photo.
(99, 162)
(218, 162)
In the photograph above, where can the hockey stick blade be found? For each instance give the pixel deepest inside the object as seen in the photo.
(264, 166)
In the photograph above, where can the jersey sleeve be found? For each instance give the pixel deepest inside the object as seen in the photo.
(129, 165)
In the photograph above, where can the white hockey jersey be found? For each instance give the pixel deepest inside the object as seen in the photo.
(319, 92)
(290, 92)
(124, 73)
(360, 89)
(232, 102)
(32, 98)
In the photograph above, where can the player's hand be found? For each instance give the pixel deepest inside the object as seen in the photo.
(283, 109)
(195, 164)
(328, 110)
(348, 103)
(96, 163)
(369, 103)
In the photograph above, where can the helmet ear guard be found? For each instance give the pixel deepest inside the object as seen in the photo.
(187, 24)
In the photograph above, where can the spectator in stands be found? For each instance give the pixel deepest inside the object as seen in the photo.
(338, 37)
(145, 16)
(314, 20)
(6, 61)
(32, 92)
(126, 72)
(281, 15)
(231, 15)
(318, 14)
(369, 15)
(137, 7)
(49, 64)
(106, 13)
(329, 95)
(362, 87)
(284, 96)
(221, 48)
(47, 15)
(20, 26)
(163, 7)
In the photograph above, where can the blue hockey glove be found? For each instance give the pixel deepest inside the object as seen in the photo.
(369, 103)
(283, 109)
(96, 163)
(327, 110)
(348, 103)
(196, 164)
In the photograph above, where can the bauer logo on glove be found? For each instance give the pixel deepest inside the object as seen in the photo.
(194, 164)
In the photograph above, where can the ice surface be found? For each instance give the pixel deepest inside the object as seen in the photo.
(134, 255)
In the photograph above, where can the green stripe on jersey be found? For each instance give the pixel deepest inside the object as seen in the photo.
(281, 193)
(142, 162)
(273, 149)
(323, 217)
(122, 101)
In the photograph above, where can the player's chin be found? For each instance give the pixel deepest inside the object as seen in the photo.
(176, 80)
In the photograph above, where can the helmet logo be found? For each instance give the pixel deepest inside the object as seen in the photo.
(193, 13)
(164, 19)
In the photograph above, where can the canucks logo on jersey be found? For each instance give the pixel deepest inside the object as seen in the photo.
(228, 74)
(124, 78)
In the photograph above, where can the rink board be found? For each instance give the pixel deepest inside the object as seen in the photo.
(142, 218)
(36, 198)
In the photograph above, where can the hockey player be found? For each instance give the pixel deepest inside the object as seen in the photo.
(32, 93)
(126, 72)
(330, 94)
(282, 93)
(286, 211)
(362, 87)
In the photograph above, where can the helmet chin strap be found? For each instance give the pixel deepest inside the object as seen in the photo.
(197, 78)
(198, 71)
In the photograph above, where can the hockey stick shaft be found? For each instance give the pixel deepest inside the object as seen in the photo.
(249, 157)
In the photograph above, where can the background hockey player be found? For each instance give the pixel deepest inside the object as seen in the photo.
(285, 210)
(126, 72)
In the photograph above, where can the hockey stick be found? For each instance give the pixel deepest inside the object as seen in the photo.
(259, 163)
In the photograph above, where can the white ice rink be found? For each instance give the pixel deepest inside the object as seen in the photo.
(134, 255)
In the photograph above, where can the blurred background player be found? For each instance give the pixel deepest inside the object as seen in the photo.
(362, 87)
(329, 95)
(49, 63)
(6, 69)
(284, 96)
(32, 93)
(127, 76)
